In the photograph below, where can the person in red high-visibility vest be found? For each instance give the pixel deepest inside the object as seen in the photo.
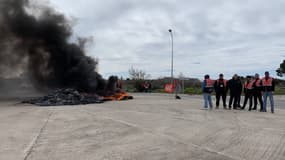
(257, 92)
(207, 89)
(268, 87)
(221, 90)
(248, 91)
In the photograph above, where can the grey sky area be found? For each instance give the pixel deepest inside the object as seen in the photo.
(210, 37)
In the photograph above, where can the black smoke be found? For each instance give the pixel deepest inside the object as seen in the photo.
(36, 39)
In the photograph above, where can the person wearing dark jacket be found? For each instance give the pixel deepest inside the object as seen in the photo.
(221, 90)
(268, 87)
(239, 95)
(248, 92)
(235, 87)
(257, 88)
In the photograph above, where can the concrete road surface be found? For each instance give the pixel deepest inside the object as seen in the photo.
(150, 127)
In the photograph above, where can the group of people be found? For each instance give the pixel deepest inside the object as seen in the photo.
(256, 90)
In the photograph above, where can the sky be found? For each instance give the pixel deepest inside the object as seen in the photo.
(210, 36)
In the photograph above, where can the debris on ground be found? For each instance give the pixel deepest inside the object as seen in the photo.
(65, 97)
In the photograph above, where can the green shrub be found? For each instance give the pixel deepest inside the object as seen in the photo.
(193, 90)
(279, 90)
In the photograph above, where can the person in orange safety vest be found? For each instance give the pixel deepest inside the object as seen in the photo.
(248, 91)
(268, 87)
(257, 88)
(207, 89)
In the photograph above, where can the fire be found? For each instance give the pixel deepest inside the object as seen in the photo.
(118, 97)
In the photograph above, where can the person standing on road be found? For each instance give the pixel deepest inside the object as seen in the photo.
(248, 92)
(235, 87)
(257, 92)
(207, 89)
(268, 87)
(221, 90)
(146, 86)
(239, 93)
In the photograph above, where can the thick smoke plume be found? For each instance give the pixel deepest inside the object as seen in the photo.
(36, 39)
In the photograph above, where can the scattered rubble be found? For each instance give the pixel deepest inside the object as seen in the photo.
(65, 97)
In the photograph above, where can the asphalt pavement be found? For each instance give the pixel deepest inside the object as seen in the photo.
(149, 127)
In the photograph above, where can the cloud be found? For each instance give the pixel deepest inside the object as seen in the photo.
(210, 37)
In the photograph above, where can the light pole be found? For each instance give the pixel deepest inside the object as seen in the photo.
(171, 35)
(172, 78)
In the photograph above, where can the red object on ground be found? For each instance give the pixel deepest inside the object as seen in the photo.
(169, 88)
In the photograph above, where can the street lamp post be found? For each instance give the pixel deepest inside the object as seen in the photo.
(172, 78)
(171, 35)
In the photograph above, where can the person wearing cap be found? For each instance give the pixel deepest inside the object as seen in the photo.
(268, 87)
(207, 89)
(248, 92)
(235, 87)
(257, 88)
(221, 90)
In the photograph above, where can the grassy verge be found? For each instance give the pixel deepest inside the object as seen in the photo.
(193, 90)
(279, 90)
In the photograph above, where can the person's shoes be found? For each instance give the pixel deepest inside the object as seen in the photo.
(242, 108)
(249, 110)
(254, 108)
(272, 112)
(217, 107)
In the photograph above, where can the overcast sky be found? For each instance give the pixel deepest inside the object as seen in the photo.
(210, 36)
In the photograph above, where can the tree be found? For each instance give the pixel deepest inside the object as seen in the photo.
(137, 74)
(281, 71)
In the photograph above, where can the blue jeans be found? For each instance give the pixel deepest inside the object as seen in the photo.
(207, 100)
(270, 95)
